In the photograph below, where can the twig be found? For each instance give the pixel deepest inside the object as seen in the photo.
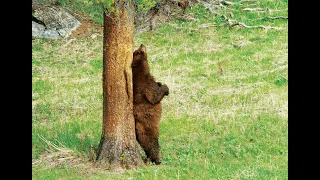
(259, 26)
(50, 144)
(232, 23)
(68, 42)
(233, 3)
(255, 9)
(228, 3)
(262, 9)
(215, 5)
(277, 17)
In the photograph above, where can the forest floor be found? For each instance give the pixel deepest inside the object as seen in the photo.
(226, 115)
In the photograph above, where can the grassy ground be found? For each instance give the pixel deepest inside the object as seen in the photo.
(225, 117)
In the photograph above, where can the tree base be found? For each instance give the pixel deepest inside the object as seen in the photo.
(112, 155)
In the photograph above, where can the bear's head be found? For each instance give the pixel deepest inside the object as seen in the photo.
(140, 62)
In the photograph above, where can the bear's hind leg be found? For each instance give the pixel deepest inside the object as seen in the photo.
(154, 151)
(148, 142)
(151, 149)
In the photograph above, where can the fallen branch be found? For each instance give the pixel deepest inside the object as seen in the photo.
(261, 9)
(228, 3)
(233, 23)
(277, 17)
(259, 26)
(255, 9)
(218, 4)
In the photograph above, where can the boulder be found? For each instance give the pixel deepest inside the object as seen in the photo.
(52, 22)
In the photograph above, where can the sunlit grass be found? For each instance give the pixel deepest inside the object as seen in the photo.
(225, 116)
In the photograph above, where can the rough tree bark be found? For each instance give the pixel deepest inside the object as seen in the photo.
(118, 147)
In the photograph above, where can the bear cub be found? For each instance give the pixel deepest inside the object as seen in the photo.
(147, 96)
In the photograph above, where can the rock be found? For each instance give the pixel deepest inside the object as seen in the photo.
(40, 31)
(52, 22)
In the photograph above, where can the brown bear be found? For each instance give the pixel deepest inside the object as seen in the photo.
(147, 94)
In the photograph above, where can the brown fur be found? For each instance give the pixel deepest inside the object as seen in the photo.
(147, 94)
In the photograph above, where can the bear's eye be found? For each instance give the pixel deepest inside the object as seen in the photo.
(135, 64)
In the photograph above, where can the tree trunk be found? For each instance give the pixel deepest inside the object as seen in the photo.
(118, 147)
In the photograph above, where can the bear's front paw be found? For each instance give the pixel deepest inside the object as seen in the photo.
(166, 89)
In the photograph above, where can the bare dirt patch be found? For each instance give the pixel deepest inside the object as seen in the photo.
(88, 27)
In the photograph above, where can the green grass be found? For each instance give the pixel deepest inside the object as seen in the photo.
(225, 117)
(89, 7)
